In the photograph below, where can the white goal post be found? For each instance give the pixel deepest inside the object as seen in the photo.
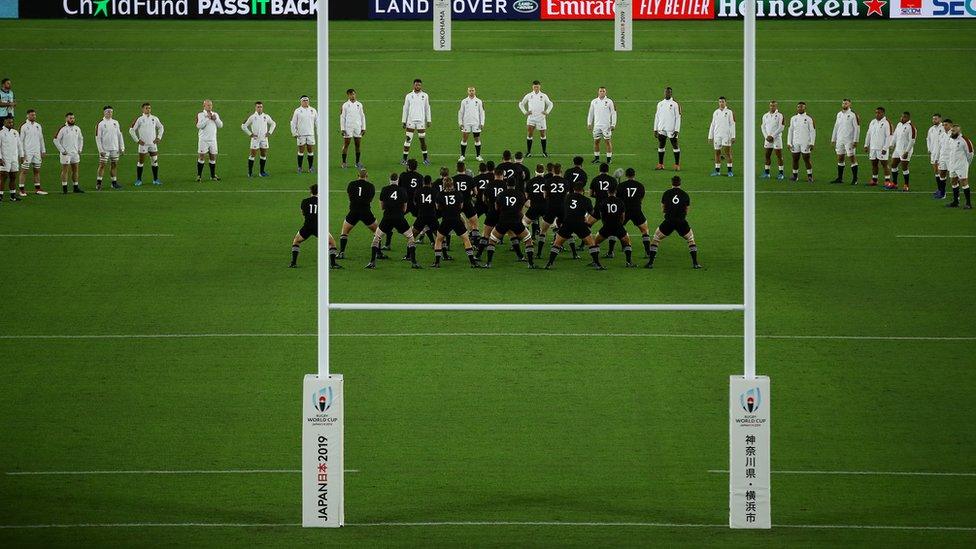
(322, 393)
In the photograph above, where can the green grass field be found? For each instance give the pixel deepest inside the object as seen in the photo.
(185, 351)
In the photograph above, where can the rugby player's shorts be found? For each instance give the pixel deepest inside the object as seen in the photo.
(602, 132)
(878, 154)
(469, 210)
(305, 140)
(662, 135)
(451, 224)
(307, 231)
(491, 218)
(933, 158)
(206, 147)
(535, 212)
(418, 125)
(944, 161)
(669, 226)
(720, 142)
(354, 132)
(899, 153)
(259, 142)
(618, 231)
(636, 217)
(515, 227)
(553, 214)
(10, 167)
(579, 228)
(398, 224)
(845, 148)
(365, 217)
(148, 148)
(800, 148)
(108, 156)
(776, 143)
(538, 121)
(31, 159)
(471, 128)
(425, 222)
(70, 158)
(959, 169)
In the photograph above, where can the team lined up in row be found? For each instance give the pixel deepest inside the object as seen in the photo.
(513, 205)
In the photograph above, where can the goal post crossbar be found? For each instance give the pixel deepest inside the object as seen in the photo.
(536, 307)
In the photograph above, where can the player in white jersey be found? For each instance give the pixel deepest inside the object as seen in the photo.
(352, 126)
(259, 127)
(932, 140)
(32, 137)
(667, 124)
(847, 132)
(208, 122)
(536, 106)
(801, 138)
(904, 146)
(773, 123)
(960, 159)
(602, 120)
(70, 143)
(304, 122)
(722, 135)
(111, 145)
(147, 131)
(877, 143)
(11, 157)
(471, 120)
(416, 120)
(944, 152)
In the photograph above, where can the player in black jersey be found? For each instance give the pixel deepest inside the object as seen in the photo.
(361, 193)
(612, 215)
(535, 193)
(508, 167)
(632, 193)
(449, 204)
(393, 201)
(495, 188)
(520, 168)
(577, 173)
(556, 192)
(600, 188)
(675, 204)
(310, 212)
(409, 181)
(465, 184)
(425, 200)
(573, 223)
(481, 183)
(509, 205)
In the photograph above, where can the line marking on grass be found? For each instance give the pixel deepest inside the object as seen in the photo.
(465, 51)
(80, 235)
(489, 101)
(479, 334)
(865, 473)
(431, 524)
(936, 236)
(163, 472)
(343, 191)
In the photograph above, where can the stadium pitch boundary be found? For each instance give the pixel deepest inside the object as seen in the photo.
(513, 101)
(862, 473)
(296, 471)
(479, 334)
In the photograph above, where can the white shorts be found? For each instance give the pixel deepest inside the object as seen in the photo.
(539, 122)
(470, 128)
(960, 170)
(70, 158)
(933, 158)
(352, 132)
(602, 132)
(259, 143)
(776, 143)
(10, 167)
(148, 148)
(31, 159)
(305, 140)
(878, 154)
(720, 142)
(108, 156)
(418, 125)
(800, 148)
(845, 148)
(943, 163)
(899, 153)
(668, 134)
(206, 147)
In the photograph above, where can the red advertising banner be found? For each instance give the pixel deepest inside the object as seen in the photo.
(643, 9)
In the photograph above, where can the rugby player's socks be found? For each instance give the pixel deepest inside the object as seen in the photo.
(359, 155)
(552, 255)
(199, 168)
(213, 169)
(544, 143)
(263, 163)
(955, 194)
(425, 155)
(854, 171)
(412, 253)
(294, 254)
(332, 256)
(405, 156)
(517, 249)
(300, 161)
(155, 170)
(470, 252)
(646, 239)
(528, 145)
(942, 184)
(810, 173)
(766, 169)
(595, 254)
(905, 173)
(477, 147)
(345, 156)
(464, 147)
(729, 166)
(894, 175)
(660, 156)
(628, 251)
(139, 171)
(718, 167)
(482, 244)
(64, 187)
(491, 253)
(250, 166)
(677, 156)
(437, 257)
(572, 249)
(529, 256)
(98, 183)
(374, 253)
(474, 235)
(651, 254)
(693, 250)
(612, 245)
(311, 160)
(609, 157)
(840, 170)
(343, 241)
(965, 191)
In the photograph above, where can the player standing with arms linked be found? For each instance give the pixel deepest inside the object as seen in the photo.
(675, 204)
(32, 137)
(536, 106)
(878, 143)
(471, 120)
(722, 135)
(960, 159)
(801, 138)
(352, 126)
(602, 120)
(667, 124)
(905, 134)
(847, 132)
(70, 143)
(111, 145)
(259, 127)
(416, 120)
(208, 122)
(772, 132)
(147, 132)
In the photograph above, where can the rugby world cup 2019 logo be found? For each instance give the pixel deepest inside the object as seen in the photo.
(322, 399)
(751, 400)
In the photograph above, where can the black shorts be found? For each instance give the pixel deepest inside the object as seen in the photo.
(452, 223)
(535, 212)
(365, 217)
(669, 226)
(636, 217)
(597, 212)
(469, 210)
(398, 224)
(553, 213)
(618, 231)
(411, 207)
(579, 228)
(481, 208)
(428, 222)
(307, 231)
(516, 227)
(491, 218)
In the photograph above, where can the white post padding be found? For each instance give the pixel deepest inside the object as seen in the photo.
(749, 505)
(623, 25)
(442, 25)
(322, 452)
